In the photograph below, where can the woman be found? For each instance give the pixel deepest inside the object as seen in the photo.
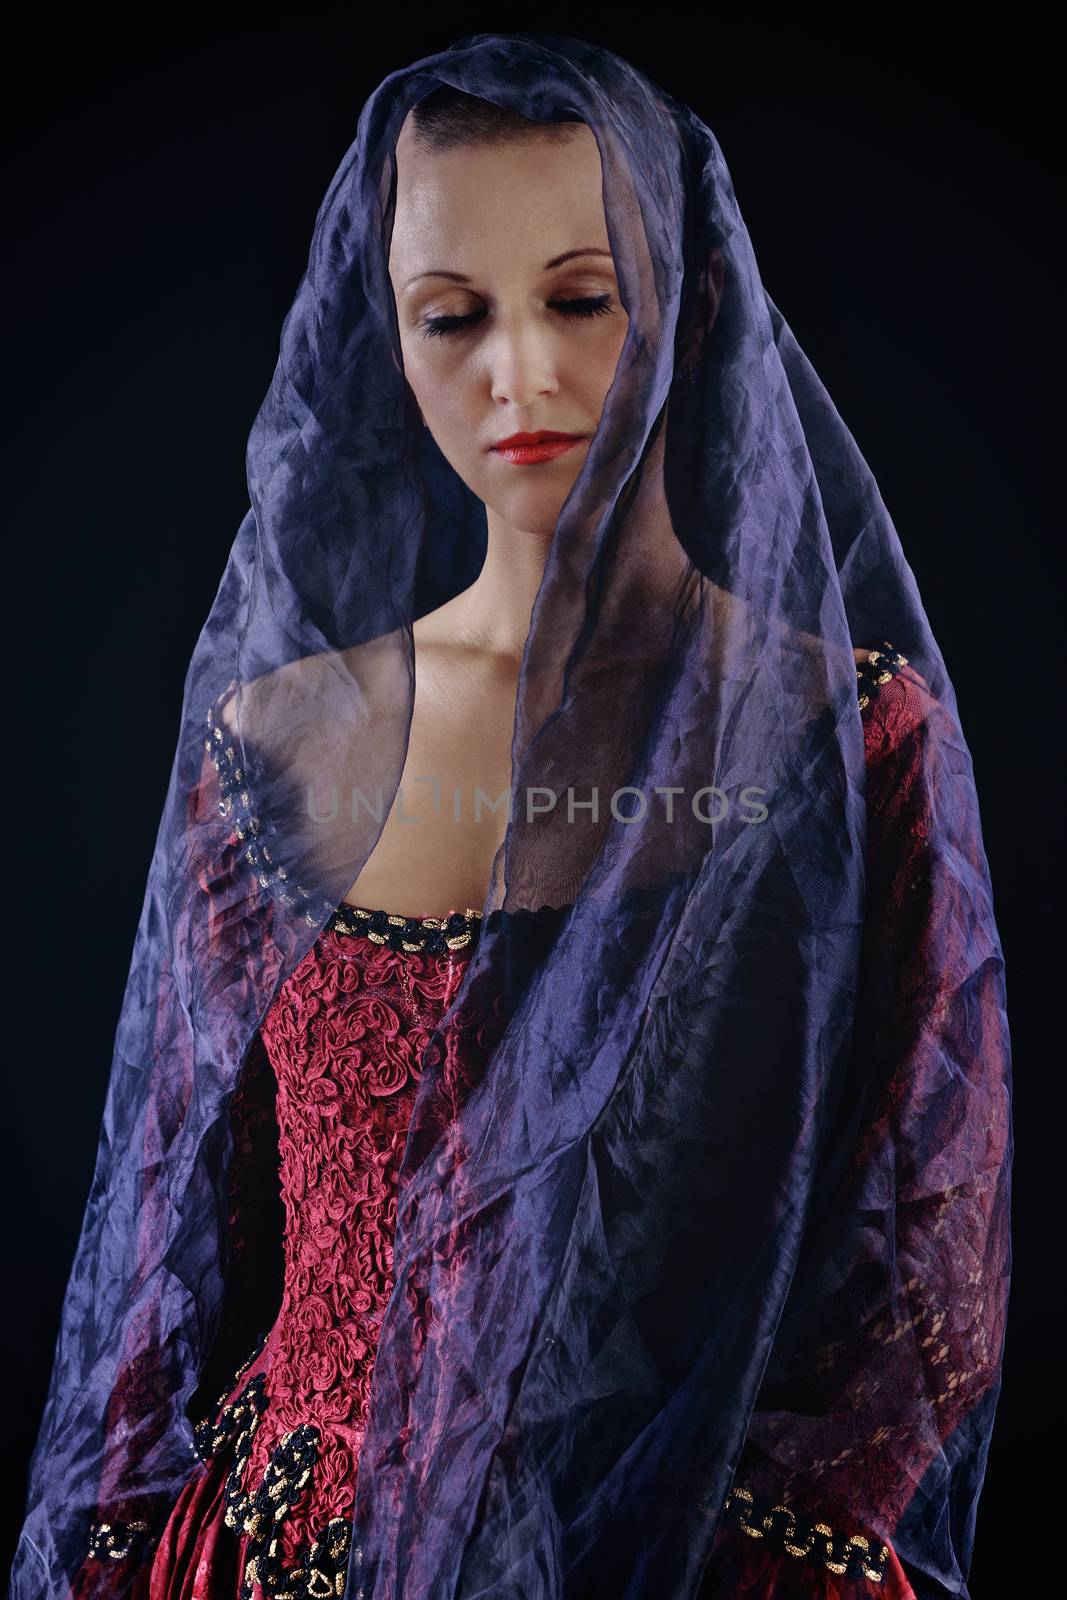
(644, 1232)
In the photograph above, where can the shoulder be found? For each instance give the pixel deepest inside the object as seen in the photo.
(223, 712)
(911, 742)
(894, 699)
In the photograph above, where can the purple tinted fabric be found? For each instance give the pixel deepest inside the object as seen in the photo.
(613, 1250)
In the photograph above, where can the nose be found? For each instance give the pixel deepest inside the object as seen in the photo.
(522, 365)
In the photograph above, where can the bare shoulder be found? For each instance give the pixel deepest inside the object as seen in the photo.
(267, 708)
(225, 713)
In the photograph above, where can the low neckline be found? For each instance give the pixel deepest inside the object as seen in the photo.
(435, 935)
(455, 930)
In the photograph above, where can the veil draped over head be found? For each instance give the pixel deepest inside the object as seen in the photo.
(693, 1225)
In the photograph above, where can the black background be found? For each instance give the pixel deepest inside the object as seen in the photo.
(161, 181)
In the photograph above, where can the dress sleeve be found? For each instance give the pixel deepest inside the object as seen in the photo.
(253, 1241)
(255, 1227)
(865, 1454)
(129, 1515)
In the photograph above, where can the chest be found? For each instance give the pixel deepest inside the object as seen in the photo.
(450, 814)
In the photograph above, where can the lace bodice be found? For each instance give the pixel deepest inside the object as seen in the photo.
(343, 1039)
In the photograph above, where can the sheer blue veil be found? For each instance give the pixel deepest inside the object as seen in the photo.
(624, 1232)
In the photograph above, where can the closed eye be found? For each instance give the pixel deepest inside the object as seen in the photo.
(593, 306)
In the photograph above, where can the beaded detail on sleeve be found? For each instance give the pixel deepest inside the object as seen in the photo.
(790, 1532)
(884, 663)
(435, 935)
(235, 802)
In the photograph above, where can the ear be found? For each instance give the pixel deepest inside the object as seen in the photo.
(713, 280)
(707, 297)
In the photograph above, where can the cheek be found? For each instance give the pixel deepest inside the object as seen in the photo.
(440, 387)
(594, 375)
(614, 340)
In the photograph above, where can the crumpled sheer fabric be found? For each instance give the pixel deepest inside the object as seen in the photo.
(701, 1250)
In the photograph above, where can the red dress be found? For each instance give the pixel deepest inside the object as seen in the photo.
(269, 1511)
(323, 1109)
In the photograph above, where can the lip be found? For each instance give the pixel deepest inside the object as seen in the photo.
(523, 449)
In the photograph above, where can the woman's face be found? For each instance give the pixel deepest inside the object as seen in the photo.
(490, 345)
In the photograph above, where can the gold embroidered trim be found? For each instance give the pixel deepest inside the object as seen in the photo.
(322, 1565)
(432, 934)
(884, 663)
(803, 1537)
(115, 1541)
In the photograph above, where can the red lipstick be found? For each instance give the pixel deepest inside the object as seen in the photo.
(524, 449)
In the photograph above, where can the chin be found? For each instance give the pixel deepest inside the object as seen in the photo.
(535, 513)
(539, 524)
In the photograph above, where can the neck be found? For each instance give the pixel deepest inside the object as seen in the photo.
(494, 612)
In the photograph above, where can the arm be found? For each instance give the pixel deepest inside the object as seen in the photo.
(255, 1230)
(873, 1418)
(129, 1510)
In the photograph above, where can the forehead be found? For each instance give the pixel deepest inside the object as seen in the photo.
(532, 197)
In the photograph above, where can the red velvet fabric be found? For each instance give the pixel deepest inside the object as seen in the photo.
(197, 1556)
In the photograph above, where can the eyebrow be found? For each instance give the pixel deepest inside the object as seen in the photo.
(461, 277)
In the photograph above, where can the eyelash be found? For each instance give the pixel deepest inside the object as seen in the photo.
(590, 306)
